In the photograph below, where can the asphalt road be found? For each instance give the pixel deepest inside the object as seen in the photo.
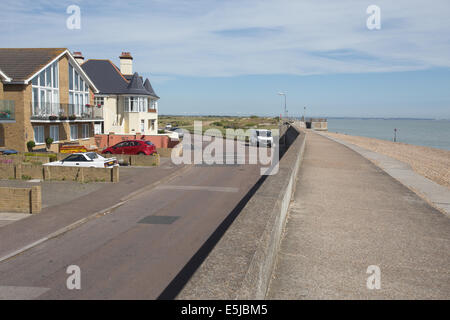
(136, 250)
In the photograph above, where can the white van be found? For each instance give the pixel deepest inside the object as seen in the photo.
(261, 137)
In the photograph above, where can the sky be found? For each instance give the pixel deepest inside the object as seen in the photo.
(233, 57)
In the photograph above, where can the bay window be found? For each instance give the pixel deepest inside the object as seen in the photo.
(135, 104)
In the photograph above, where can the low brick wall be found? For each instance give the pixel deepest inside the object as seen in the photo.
(107, 140)
(81, 174)
(136, 160)
(22, 200)
(167, 152)
(19, 158)
(7, 171)
(31, 171)
(144, 161)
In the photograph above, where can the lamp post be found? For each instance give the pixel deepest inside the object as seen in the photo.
(283, 94)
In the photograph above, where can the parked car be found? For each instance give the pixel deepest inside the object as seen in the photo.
(85, 159)
(177, 130)
(8, 151)
(132, 147)
(261, 137)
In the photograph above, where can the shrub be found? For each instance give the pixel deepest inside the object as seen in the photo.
(48, 141)
(30, 145)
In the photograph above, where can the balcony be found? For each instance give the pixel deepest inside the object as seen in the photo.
(65, 112)
(7, 111)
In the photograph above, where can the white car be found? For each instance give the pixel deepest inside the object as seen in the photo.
(261, 137)
(86, 160)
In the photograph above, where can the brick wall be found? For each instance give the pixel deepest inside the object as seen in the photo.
(136, 160)
(107, 140)
(7, 171)
(24, 200)
(30, 171)
(15, 134)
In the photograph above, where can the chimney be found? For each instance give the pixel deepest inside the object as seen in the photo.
(78, 57)
(126, 63)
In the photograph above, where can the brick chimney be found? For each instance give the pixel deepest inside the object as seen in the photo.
(126, 63)
(78, 57)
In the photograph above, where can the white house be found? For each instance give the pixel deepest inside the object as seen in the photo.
(129, 104)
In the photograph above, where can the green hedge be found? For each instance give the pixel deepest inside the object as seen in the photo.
(51, 156)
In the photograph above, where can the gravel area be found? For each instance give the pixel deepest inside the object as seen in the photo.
(430, 162)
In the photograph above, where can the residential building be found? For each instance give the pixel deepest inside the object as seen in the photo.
(130, 105)
(47, 95)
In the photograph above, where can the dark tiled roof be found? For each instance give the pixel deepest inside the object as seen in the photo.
(149, 87)
(109, 80)
(21, 63)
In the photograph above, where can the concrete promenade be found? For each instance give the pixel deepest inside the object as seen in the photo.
(348, 214)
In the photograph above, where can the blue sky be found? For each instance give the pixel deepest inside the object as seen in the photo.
(232, 57)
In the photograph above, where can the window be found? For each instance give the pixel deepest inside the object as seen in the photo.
(75, 158)
(45, 92)
(39, 134)
(54, 133)
(99, 101)
(85, 132)
(78, 93)
(135, 104)
(153, 104)
(74, 132)
(92, 155)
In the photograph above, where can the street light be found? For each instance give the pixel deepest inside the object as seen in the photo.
(283, 94)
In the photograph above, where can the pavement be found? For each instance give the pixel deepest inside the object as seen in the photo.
(348, 214)
(437, 195)
(133, 250)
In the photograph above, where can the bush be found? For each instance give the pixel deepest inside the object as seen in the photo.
(30, 145)
(48, 141)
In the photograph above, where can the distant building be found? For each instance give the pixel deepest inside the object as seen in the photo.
(317, 124)
(130, 105)
(45, 94)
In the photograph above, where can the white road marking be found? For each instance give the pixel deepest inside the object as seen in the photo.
(21, 293)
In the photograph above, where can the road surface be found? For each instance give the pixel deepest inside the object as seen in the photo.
(136, 250)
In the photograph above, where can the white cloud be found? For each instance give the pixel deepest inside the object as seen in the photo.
(227, 38)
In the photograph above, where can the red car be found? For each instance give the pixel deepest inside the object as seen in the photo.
(132, 147)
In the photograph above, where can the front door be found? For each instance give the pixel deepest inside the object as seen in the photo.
(142, 126)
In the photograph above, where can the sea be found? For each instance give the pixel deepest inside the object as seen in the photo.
(429, 133)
